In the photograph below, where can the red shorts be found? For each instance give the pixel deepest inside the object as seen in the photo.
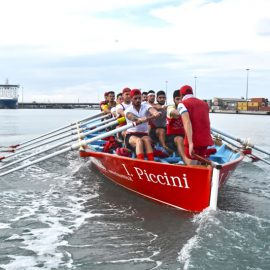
(201, 151)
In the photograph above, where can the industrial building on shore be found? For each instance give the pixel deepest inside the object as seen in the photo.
(257, 105)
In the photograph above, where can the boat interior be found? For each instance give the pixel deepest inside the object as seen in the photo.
(220, 153)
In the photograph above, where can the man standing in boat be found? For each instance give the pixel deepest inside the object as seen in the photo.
(137, 137)
(195, 117)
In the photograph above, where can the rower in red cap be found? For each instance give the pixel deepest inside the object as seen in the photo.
(137, 137)
(195, 117)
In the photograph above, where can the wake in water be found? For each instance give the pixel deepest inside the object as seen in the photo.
(62, 215)
(40, 214)
(230, 240)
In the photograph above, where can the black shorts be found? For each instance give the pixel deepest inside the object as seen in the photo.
(153, 134)
(170, 140)
(128, 135)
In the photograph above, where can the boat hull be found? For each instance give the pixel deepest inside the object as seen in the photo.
(183, 187)
(188, 187)
(8, 103)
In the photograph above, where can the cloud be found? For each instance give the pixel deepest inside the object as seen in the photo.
(67, 49)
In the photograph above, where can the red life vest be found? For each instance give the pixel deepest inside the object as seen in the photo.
(199, 116)
(175, 126)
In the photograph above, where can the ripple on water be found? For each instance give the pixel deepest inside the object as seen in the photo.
(228, 239)
(41, 215)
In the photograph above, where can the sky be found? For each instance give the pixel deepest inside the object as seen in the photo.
(75, 50)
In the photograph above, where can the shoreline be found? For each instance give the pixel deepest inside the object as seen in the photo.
(241, 112)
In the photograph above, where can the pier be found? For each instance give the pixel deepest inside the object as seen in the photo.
(58, 105)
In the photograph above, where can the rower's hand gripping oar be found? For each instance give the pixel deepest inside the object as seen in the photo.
(207, 161)
(79, 130)
(66, 126)
(75, 146)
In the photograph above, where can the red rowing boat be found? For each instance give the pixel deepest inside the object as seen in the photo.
(191, 188)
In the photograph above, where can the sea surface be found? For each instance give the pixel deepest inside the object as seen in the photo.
(62, 214)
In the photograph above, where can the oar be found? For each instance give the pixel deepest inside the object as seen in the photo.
(58, 138)
(226, 140)
(72, 127)
(7, 150)
(62, 131)
(207, 161)
(80, 121)
(79, 136)
(74, 146)
(243, 142)
(242, 150)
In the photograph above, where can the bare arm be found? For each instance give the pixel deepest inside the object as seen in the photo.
(174, 113)
(120, 112)
(188, 130)
(159, 107)
(154, 112)
(132, 117)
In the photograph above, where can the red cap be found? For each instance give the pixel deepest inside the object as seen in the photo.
(134, 92)
(125, 90)
(106, 94)
(185, 90)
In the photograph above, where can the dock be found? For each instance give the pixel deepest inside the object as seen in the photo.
(58, 105)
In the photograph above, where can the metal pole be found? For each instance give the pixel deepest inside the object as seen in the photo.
(195, 78)
(247, 84)
(166, 90)
(22, 98)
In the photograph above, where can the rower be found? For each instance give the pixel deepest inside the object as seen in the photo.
(110, 102)
(137, 137)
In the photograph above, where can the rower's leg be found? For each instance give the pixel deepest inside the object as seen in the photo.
(148, 147)
(179, 142)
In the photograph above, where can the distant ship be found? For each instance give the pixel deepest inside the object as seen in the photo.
(9, 95)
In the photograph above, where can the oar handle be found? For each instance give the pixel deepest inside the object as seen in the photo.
(207, 161)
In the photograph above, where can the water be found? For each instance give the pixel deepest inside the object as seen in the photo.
(61, 214)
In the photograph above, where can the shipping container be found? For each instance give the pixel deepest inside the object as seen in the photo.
(258, 100)
(242, 108)
(265, 109)
(253, 108)
(253, 104)
(241, 103)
